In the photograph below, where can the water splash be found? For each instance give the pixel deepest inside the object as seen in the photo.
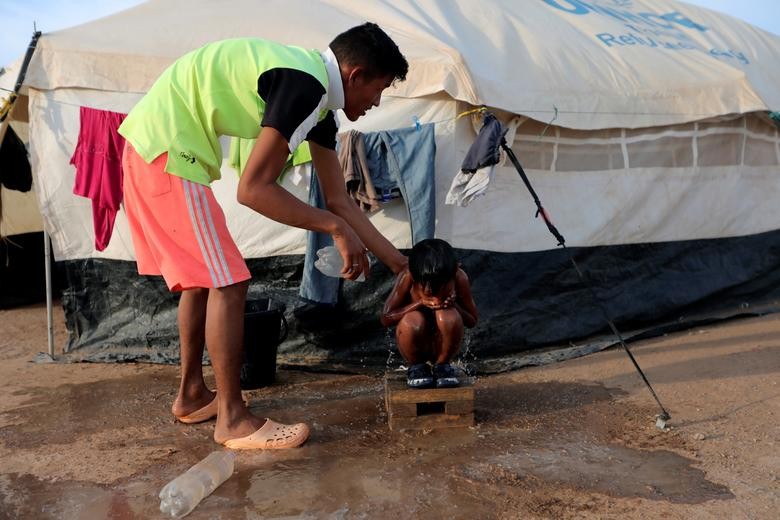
(391, 350)
(466, 359)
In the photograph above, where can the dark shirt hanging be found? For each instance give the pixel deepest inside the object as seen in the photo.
(486, 147)
(15, 171)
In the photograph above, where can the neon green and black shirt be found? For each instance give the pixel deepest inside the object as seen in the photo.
(234, 87)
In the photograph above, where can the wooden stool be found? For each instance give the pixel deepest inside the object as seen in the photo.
(424, 408)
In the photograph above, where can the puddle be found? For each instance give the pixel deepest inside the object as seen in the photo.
(24, 496)
(610, 469)
(348, 487)
(77, 410)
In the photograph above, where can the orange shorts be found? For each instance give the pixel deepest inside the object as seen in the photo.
(178, 228)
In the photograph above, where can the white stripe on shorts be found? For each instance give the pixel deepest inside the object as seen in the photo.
(193, 205)
(201, 189)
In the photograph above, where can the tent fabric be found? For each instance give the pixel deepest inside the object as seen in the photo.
(621, 186)
(19, 213)
(627, 64)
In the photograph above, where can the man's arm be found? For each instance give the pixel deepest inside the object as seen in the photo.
(395, 305)
(331, 179)
(259, 190)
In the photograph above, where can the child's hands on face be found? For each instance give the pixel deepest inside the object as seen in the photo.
(450, 300)
(442, 299)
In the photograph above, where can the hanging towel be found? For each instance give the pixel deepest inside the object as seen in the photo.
(98, 162)
(468, 186)
(357, 174)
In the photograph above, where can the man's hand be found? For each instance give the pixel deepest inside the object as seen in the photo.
(353, 253)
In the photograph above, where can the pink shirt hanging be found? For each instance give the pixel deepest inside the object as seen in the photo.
(98, 162)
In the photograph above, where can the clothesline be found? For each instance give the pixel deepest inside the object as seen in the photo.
(484, 109)
(555, 111)
(417, 121)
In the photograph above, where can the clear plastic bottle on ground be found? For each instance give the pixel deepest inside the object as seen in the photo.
(180, 496)
(329, 263)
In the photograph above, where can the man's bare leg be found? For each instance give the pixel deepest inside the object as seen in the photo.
(193, 392)
(225, 340)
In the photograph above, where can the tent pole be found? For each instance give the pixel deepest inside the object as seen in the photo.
(49, 320)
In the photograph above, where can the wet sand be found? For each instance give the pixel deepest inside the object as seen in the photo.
(572, 440)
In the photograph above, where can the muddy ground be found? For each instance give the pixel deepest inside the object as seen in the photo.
(572, 440)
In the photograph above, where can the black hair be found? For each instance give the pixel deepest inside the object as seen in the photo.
(432, 263)
(370, 47)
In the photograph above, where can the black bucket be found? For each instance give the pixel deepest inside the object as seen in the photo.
(264, 328)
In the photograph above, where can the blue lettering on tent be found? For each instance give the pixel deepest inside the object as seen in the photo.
(643, 40)
(657, 19)
(622, 13)
(678, 18)
(653, 30)
(621, 40)
(737, 55)
(574, 7)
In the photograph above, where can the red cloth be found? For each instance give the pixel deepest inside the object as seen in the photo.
(98, 162)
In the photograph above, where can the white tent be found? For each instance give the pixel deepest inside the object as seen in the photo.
(639, 122)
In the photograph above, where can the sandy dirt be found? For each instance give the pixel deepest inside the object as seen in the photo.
(572, 440)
